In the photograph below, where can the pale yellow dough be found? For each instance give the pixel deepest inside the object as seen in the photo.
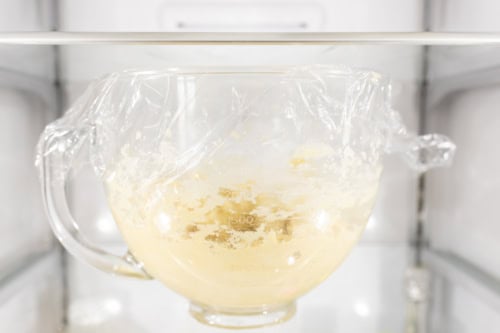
(232, 242)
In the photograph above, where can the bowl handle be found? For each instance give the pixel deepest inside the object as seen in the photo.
(53, 154)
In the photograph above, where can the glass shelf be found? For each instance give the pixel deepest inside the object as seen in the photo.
(248, 38)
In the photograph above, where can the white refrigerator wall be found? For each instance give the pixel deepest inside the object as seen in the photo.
(30, 268)
(462, 201)
(463, 103)
(319, 15)
(27, 15)
(23, 227)
(31, 301)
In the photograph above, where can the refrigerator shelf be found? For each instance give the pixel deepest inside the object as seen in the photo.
(248, 38)
(463, 298)
(465, 273)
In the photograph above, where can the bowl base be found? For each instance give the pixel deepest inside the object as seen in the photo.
(240, 319)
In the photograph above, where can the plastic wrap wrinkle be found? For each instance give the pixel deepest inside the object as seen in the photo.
(138, 110)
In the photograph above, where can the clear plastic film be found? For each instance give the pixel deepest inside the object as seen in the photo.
(172, 119)
(236, 187)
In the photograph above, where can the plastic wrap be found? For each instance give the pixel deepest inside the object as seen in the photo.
(173, 119)
(238, 187)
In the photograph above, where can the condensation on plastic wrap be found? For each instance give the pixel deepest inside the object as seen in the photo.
(169, 120)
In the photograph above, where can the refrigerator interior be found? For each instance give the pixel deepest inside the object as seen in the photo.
(445, 219)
